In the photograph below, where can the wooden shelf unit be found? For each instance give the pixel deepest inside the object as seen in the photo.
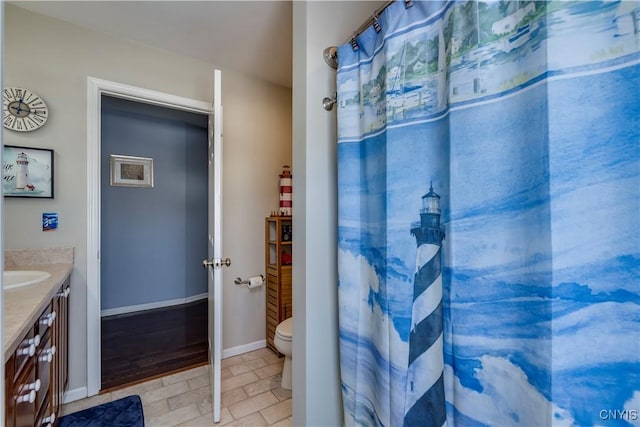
(278, 266)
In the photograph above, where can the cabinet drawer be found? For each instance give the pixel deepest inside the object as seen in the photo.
(44, 358)
(25, 351)
(45, 415)
(45, 321)
(23, 398)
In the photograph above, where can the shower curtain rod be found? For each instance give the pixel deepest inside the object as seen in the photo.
(371, 20)
(330, 54)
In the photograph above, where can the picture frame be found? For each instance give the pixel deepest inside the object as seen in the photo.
(131, 171)
(27, 172)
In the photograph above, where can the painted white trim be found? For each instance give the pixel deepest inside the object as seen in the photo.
(148, 96)
(93, 236)
(152, 305)
(244, 348)
(215, 227)
(96, 88)
(75, 394)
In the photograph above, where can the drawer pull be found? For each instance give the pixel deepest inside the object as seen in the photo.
(29, 397)
(47, 355)
(34, 386)
(29, 346)
(27, 351)
(48, 320)
(64, 293)
(48, 421)
(35, 340)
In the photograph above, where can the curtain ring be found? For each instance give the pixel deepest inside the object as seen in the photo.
(354, 43)
(376, 23)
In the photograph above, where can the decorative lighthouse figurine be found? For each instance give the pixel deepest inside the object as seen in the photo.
(286, 189)
(22, 171)
(425, 401)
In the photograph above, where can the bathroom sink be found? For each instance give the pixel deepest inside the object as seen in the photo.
(20, 278)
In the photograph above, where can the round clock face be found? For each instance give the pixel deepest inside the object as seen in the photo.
(23, 110)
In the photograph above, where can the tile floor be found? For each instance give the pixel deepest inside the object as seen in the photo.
(251, 395)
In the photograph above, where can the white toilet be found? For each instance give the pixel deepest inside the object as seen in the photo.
(282, 341)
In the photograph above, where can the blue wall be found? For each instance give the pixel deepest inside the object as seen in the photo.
(153, 240)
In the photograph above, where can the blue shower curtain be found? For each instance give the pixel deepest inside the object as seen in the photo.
(489, 215)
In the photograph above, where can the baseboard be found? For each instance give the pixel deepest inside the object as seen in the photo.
(151, 305)
(75, 394)
(244, 348)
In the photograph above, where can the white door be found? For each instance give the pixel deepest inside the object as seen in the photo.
(215, 261)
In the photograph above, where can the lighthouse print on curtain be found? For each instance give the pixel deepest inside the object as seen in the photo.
(425, 369)
(488, 214)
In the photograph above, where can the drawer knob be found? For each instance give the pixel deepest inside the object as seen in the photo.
(35, 386)
(35, 340)
(29, 346)
(48, 319)
(48, 421)
(29, 397)
(47, 355)
(27, 351)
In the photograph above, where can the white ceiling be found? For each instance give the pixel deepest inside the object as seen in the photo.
(253, 37)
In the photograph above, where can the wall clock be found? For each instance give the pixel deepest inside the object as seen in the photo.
(23, 110)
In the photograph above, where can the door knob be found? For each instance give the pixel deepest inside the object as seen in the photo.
(226, 262)
(216, 262)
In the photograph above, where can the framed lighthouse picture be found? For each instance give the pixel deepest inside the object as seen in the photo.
(27, 172)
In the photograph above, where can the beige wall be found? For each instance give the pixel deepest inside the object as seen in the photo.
(53, 59)
(316, 374)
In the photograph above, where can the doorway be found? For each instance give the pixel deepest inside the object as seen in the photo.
(95, 90)
(153, 218)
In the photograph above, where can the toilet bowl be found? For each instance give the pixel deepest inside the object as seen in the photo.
(282, 341)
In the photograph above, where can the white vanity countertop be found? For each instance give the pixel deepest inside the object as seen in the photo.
(23, 306)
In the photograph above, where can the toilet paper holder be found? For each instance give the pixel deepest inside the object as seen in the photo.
(251, 281)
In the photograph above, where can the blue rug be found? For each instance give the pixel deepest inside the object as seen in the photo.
(125, 412)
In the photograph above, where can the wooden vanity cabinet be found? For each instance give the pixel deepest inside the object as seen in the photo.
(36, 375)
(61, 358)
(23, 401)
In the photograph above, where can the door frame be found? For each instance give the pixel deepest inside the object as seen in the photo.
(95, 89)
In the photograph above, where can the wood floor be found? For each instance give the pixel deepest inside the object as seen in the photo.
(149, 343)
